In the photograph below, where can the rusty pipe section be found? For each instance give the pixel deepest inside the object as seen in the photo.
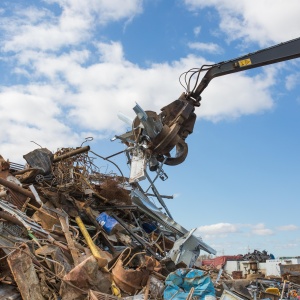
(71, 153)
(16, 188)
(6, 216)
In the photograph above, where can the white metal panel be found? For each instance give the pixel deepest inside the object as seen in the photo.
(231, 266)
(272, 265)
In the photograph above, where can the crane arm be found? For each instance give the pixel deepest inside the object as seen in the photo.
(175, 123)
(278, 53)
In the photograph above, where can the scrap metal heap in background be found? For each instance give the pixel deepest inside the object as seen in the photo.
(68, 230)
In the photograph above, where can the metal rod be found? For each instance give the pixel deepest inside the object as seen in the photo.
(16, 188)
(71, 153)
(163, 196)
(65, 228)
(283, 287)
(120, 152)
(6, 216)
(119, 207)
(102, 262)
(158, 196)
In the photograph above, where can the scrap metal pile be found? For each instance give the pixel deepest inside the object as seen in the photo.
(259, 256)
(261, 288)
(68, 231)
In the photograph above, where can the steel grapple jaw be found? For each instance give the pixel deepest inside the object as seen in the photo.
(158, 139)
(166, 131)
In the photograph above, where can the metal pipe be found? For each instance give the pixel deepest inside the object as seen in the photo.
(71, 153)
(162, 196)
(16, 188)
(158, 196)
(102, 262)
(6, 216)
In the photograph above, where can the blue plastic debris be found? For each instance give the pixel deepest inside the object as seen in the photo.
(179, 283)
(107, 222)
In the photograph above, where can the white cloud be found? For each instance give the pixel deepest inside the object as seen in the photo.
(260, 229)
(292, 81)
(222, 230)
(217, 229)
(32, 114)
(265, 22)
(48, 34)
(197, 30)
(32, 28)
(104, 10)
(251, 95)
(233, 239)
(111, 52)
(206, 47)
(288, 227)
(104, 86)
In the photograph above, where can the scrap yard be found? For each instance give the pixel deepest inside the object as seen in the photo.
(68, 231)
(72, 230)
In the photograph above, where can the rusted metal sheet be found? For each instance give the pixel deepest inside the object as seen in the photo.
(84, 277)
(129, 280)
(61, 264)
(290, 269)
(45, 219)
(290, 272)
(11, 188)
(22, 268)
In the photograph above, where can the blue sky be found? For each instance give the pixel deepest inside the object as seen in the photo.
(69, 67)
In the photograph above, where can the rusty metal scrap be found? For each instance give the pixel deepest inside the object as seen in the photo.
(70, 231)
(84, 277)
(22, 268)
(40, 209)
(130, 280)
(56, 244)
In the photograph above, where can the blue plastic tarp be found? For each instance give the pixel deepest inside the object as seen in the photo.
(179, 283)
